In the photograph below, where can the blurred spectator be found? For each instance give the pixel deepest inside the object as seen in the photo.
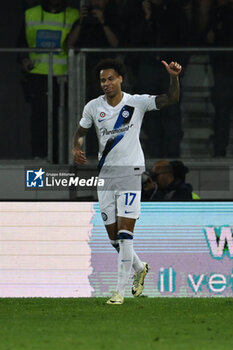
(167, 182)
(168, 23)
(160, 23)
(45, 26)
(124, 11)
(97, 27)
(221, 34)
(202, 15)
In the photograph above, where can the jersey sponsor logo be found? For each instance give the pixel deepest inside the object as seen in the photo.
(105, 131)
(128, 212)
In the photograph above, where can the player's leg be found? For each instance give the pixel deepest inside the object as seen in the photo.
(112, 231)
(123, 243)
(124, 204)
(112, 234)
(108, 212)
(117, 298)
(106, 197)
(121, 237)
(128, 225)
(108, 208)
(126, 253)
(128, 210)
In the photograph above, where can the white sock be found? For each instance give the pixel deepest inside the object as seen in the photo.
(125, 260)
(137, 263)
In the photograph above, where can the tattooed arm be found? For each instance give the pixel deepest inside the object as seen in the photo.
(173, 94)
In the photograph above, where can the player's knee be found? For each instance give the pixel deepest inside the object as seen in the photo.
(126, 224)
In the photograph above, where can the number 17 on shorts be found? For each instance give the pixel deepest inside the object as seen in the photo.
(128, 204)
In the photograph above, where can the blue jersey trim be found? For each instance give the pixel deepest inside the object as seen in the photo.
(124, 118)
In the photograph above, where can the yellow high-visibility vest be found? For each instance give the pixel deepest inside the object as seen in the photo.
(48, 30)
(195, 196)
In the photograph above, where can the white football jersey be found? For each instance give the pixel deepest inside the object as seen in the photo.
(118, 129)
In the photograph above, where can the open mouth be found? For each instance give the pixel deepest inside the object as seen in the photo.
(108, 90)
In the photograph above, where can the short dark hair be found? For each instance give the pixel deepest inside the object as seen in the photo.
(179, 169)
(110, 63)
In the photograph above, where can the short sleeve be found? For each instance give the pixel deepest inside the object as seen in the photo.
(146, 102)
(151, 103)
(86, 120)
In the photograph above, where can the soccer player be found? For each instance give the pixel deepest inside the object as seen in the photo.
(117, 117)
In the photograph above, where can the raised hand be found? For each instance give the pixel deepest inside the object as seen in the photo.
(146, 6)
(98, 14)
(173, 68)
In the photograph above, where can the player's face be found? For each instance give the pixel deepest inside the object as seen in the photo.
(110, 82)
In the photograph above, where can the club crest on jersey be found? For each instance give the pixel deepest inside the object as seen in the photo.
(125, 114)
(104, 216)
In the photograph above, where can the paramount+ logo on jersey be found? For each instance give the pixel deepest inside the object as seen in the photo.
(105, 131)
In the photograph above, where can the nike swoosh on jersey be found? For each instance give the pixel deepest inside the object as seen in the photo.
(101, 120)
(128, 212)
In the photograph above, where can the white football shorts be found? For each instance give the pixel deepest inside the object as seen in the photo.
(120, 197)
